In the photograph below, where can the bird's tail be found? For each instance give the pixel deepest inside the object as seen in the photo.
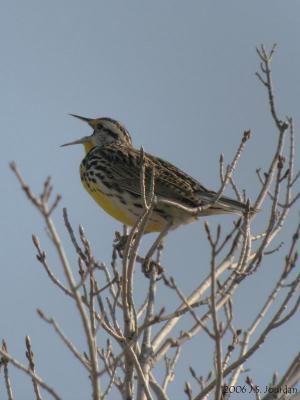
(226, 205)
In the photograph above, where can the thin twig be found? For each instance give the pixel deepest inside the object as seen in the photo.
(65, 339)
(4, 362)
(29, 372)
(30, 358)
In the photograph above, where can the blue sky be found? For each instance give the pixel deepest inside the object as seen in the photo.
(180, 76)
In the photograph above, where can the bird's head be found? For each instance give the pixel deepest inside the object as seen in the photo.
(106, 131)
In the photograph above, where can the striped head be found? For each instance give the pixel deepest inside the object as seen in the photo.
(106, 131)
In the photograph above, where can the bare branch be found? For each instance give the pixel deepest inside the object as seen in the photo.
(29, 372)
(64, 338)
(217, 333)
(30, 358)
(4, 362)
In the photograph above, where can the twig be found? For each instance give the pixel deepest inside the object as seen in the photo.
(187, 305)
(256, 345)
(42, 258)
(170, 366)
(64, 338)
(197, 211)
(30, 358)
(4, 362)
(42, 206)
(157, 389)
(146, 342)
(72, 235)
(29, 372)
(217, 333)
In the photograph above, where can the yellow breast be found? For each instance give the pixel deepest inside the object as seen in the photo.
(106, 203)
(109, 205)
(116, 211)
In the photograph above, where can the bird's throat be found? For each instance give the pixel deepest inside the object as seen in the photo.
(88, 146)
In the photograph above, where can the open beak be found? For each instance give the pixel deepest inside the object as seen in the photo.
(83, 140)
(92, 122)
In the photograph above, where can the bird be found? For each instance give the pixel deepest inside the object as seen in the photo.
(110, 172)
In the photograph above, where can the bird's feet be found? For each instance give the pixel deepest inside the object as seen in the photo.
(120, 243)
(149, 266)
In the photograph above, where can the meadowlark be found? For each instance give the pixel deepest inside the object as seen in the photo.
(110, 172)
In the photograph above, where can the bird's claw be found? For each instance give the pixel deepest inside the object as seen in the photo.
(147, 268)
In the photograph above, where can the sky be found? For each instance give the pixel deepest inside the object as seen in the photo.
(181, 77)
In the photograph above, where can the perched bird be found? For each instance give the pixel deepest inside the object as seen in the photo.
(110, 172)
